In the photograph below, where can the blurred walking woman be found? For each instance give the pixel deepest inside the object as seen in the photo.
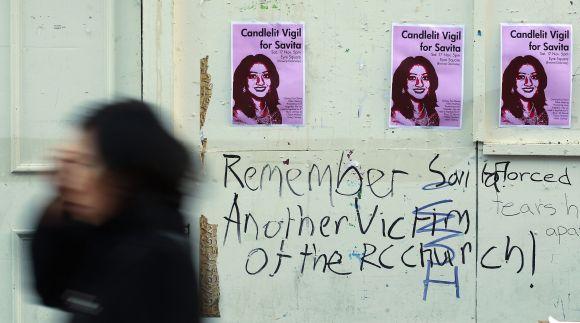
(255, 93)
(413, 92)
(522, 92)
(110, 246)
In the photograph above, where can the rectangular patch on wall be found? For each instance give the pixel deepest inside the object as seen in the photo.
(208, 276)
(536, 75)
(426, 76)
(267, 74)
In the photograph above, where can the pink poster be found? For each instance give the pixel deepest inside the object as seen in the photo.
(427, 76)
(267, 74)
(536, 75)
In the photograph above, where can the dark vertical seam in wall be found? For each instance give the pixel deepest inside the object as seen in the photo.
(476, 223)
(141, 52)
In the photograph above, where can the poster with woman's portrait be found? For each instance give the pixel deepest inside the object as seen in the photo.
(426, 76)
(267, 74)
(536, 75)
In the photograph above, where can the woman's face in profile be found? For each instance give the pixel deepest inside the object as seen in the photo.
(418, 82)
(527, 81)
(259, 80)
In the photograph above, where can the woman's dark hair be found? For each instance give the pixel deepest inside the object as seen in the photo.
(402, 99)
(138, 150)
(509, 96)
(242, 97)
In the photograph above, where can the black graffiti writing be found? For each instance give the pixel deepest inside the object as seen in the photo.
(380, 183)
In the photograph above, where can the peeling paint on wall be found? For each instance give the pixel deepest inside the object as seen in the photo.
(203, 149)
(205, 90)
(208, 276)
(261, 4)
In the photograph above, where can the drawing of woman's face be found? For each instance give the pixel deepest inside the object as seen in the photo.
(418, 83)
(527, 81)
(259, 80)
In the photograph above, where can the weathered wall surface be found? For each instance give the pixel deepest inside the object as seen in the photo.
(508, 228)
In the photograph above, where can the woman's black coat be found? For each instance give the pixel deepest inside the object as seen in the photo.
(135, 268)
